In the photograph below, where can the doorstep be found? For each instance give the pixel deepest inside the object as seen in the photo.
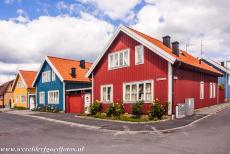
(121, 126)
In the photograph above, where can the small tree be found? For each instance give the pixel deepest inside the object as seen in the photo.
(157, 111)
(137, 109)
(115, 110)
(95, 108)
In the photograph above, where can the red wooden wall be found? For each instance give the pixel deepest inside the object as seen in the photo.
(154, 67)
(188, 86)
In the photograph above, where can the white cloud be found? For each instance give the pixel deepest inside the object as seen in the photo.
(116, 9)
(71, 8)
(189, 22)
(63, 36)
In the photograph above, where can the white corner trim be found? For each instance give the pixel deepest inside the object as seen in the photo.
(161, 79)
(136, 37)
(170, 88)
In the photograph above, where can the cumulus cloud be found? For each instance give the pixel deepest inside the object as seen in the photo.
(189, 22)
(71, 37)
(117, 9)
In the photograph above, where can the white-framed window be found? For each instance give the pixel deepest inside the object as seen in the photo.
(138, 91)
(211, 89)
(202, 90)
(53, 76)
(23, 98)
(118, 59)
(53, 97)
(214, 90)
(20, 84)
(46, 76)
(17, 99)
(139, 54)
(42, 97)
(107, 93)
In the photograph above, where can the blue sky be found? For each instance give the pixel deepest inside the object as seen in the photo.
(79, 29)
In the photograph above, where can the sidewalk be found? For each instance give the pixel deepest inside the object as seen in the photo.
(213, 109)
(162, 126)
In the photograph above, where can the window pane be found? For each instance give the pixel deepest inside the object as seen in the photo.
(121, 58)
(116, 59)
(109, 94)
(141, 92)
(126, 58)
(111, 61)
(134, 93)
(148, 92)
(127, 92)
(104, 94)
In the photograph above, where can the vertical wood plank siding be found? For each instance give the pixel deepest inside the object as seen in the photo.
(154, 67)
(188, 86)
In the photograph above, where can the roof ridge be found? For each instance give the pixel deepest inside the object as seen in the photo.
(68, 59)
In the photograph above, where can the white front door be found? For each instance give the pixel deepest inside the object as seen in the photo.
(87, 102)
(32, 102)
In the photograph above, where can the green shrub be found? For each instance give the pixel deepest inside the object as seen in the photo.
(19, 108)
(115, 110)
(95, 108)
(137, 109)
(55, 109)
(48, 108)
(41, 108)
(157, 111)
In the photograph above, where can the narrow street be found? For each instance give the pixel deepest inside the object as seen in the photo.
(210, 135)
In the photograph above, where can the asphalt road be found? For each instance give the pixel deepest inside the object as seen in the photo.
(211, 136)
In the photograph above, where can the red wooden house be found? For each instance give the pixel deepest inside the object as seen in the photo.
(134, 66)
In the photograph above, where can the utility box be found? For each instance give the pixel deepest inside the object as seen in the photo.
(180, 111)
(189, 106)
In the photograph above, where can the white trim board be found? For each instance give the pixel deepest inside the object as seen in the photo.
(53, 68)
(79, 89)
(136, 37)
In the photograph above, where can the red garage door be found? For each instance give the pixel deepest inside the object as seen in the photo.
(74, 104)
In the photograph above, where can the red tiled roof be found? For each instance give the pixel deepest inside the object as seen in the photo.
(184, 57)
(28, 77)
(63, 66)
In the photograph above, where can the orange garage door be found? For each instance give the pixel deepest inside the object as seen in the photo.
(74, 104)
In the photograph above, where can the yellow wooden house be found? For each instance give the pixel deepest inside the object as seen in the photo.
(24, 93)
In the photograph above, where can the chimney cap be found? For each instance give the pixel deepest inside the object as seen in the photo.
(166, 36)
(175, 42)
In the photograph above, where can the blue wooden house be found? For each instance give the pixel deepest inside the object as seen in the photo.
(223, 80)
(61, 83)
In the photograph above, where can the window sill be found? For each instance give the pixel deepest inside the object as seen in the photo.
(114, 68)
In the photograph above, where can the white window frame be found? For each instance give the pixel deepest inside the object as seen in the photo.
(214, 90)
(137, 85)
(210, 90)
(40, 93)
(53, 76)
(46, 76)
(141, 47)
(111, 93)
(53, 101)
(23, 101)
(115, 65)
(202, 90)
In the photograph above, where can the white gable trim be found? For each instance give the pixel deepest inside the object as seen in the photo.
(218, 66)
(15, 81)
(53, 68)
(138, 38)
